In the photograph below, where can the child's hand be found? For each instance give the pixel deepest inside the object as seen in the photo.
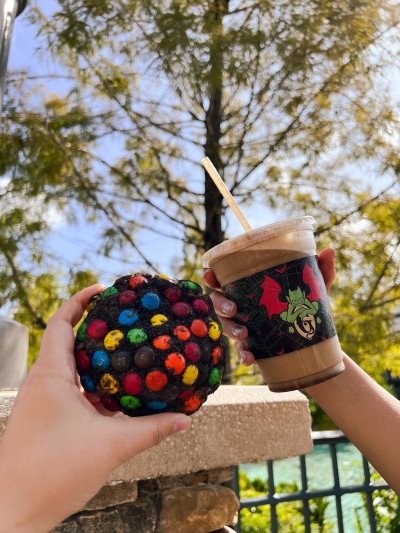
(58, 449)
(226, 309)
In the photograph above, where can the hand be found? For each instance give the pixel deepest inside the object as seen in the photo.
(227, 309)
(58, 449)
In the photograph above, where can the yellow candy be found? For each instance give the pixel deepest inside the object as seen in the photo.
(164, 276)
(158, 320)
(113, 339)
(90, 306)
(214, 331)
(190, 375)
(109, 384)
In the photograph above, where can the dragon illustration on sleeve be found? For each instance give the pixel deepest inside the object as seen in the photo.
(298, 309)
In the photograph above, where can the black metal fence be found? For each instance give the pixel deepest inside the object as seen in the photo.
(332, 439)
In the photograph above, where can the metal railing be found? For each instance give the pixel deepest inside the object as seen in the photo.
(332, 439)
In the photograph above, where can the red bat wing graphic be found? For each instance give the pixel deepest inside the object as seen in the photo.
(310, 279)
(270, 297)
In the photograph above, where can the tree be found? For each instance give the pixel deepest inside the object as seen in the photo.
(289, 100)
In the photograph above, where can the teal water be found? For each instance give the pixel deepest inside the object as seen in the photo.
(320, 475)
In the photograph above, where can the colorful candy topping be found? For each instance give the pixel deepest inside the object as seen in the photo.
(97, 329)
(182, 333)
(109, 384)
(214, 331)
(170, 393)
(185, 393)
(216, 354)
(158, 320)
(108, 292)
(173, 294)
(132, 384)
(192, 404)
(82, 360)
(144, 357)
(91, 305)
(88, 384)
(136, 336)
(189, 284)
(100, 360)
(127, 297)
(113, 340)
(121, 361)
(163, 342)
(81, 333)
(192, 352)
(156, 380)
(135, 281)
(150, 301)
(190, 375)
(128, 317)
(175, 363)
(215, 376)
(109, 404)
(130, 402)
(157, 406)
(200, 306)
(181, 309)
(199, 328)
(163, 276)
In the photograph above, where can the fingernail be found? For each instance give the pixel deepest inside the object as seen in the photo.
(243, 358)
(237, 331)
(227, 308)
(182, 423)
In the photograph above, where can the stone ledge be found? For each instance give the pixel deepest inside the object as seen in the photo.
(236, 425)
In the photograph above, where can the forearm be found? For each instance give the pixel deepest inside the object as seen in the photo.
(367, 414)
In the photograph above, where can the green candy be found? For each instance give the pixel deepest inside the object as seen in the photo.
(188, 284)
(81, 333)
(109, 292)
(136, 336)
(130, 402)
(215, 376)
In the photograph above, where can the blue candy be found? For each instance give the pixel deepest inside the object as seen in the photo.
(88, 384)
(156, 406)
(100, 360)
(127, 317)
(150, 301)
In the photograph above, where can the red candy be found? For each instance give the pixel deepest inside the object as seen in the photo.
(176, 363)
(181, 309)
(109, 404)
(156, 380)
(97, 329)
(200, 306)
(199, 328)
(185, 393)
(132, 384)
(127, 297)
(82, 360)
(136, 280)
(172, 294)
(182, 333)
(192, 403)
(192, 352)
(216, 354)
(163, 342)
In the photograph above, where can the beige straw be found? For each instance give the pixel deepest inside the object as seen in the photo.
(225, 193)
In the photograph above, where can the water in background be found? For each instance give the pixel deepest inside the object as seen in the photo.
(320, 476)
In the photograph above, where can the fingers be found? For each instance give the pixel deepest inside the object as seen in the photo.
(326, 262)
(138, 434)
(210, 280)
(72, 310)
(245, 357)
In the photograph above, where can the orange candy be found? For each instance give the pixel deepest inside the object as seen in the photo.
(156, 380)
(199, 328)
(136, 280)
(163, 342)
(182, 333)
(191, 404)
(175, 362)
(216, 354)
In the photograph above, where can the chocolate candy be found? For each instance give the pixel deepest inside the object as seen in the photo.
(150, 344)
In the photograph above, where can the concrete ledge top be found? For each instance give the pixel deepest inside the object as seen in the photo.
(236, 425)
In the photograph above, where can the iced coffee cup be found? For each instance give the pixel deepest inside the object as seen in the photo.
(272, 274)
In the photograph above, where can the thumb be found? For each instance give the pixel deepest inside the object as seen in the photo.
(138, 434)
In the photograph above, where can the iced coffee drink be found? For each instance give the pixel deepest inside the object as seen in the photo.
(272, 275)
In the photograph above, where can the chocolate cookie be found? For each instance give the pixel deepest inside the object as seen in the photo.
(150, 344)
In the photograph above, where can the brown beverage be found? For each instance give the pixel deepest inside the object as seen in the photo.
(272, 274)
